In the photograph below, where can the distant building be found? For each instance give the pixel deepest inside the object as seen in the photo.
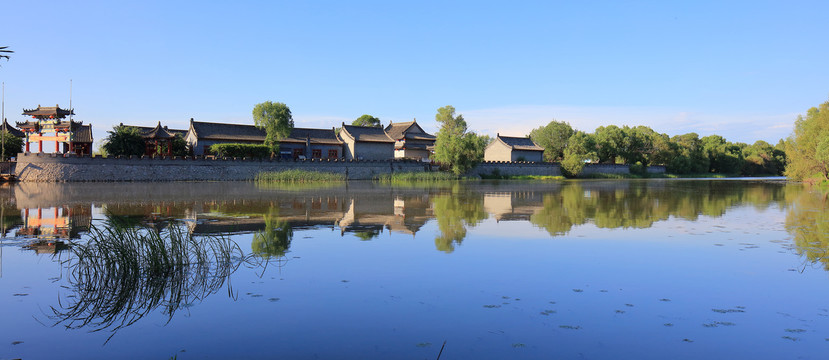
(301, 143)
(69, 136)
(366, 143)
(202, 135)
(410, 141)
(158, 136)
(311, 144)
(506, 148)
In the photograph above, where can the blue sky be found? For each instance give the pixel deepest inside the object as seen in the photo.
(743, 70)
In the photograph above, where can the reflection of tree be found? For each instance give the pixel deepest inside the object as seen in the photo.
(275, 239)
(640, 204)
(124, 273)
(808, 222)
(366, 235)
(455, 212)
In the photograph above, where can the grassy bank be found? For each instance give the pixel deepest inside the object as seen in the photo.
(298, 176)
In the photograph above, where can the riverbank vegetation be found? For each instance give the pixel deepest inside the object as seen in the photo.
(808, 147)
(641, 146)
(257, 151)
(298, 176)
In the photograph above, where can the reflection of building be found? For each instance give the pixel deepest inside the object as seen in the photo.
(56, 223)
(512, 206)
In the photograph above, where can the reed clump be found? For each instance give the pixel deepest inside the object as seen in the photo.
(298, 176)
(123, 273)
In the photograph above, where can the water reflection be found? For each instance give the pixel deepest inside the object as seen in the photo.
(123, 273)
(808, 222)
(365, 210)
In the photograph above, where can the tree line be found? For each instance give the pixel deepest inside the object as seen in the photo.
(641, 146)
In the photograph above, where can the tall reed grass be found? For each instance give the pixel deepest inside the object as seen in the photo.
(123, 273)
(299, 176)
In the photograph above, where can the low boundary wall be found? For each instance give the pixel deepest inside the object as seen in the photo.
(33, 167)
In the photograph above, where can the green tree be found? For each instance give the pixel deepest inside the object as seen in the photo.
(581, 148)
(11, 145)
(275, 118)
(456, 148)
(807, 149)
(124, 140)
(553, 138)
(367, 120)
(723, 156)
(690, 155)
(609, 143)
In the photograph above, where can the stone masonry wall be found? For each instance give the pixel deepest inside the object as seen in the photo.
(49, 168)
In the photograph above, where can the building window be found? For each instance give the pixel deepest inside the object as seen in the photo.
(316, 153)
(332, 154)
(298, 153)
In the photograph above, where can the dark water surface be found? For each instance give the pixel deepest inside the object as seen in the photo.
(659, 269)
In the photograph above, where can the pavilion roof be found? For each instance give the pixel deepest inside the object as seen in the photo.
(48, 112)
(366, 133)
(11, 129)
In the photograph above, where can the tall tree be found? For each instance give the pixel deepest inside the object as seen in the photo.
(11, 145)
(367, 120)
(124, 140)
(581, 148)
(807, 149)
(553, 138)
(275, 118)
(455, 147)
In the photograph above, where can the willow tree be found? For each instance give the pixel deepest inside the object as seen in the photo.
(807, 149)
(275, 118)
(455, 147)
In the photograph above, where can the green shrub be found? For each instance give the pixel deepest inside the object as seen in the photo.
(241, 150)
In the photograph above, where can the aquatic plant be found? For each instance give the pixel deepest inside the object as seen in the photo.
(298, 176)
(122, 274)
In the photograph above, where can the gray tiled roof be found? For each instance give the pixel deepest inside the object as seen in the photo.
(368, 134)
(316, 136)
(12, 130)
(82, 133)
(520, 143)
(233, 132)
(399, 131)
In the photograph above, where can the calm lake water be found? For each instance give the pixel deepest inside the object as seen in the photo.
(657, 269)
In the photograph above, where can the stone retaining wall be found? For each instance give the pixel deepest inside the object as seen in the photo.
(34, 167)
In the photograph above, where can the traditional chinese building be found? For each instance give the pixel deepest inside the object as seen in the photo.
(508, 148)
(159, 139)
(69, 136)
(410, 141)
